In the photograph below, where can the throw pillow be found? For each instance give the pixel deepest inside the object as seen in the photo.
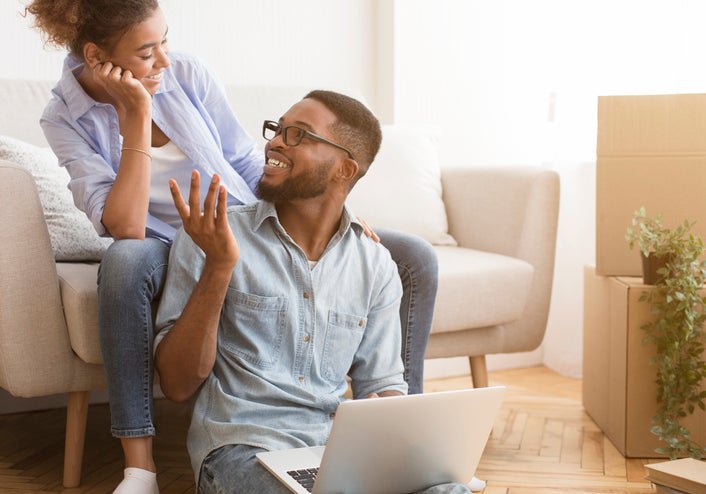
(72, 235)
(402, 189)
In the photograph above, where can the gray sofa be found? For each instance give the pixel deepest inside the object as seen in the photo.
(494, 287)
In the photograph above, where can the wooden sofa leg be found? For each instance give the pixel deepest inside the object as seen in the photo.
(479, 373)
(76, 414)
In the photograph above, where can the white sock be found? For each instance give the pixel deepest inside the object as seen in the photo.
(138, 481)
(476, 485)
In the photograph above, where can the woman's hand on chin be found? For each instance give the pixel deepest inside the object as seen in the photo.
(128, 94)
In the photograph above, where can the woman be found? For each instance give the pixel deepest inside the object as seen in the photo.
(125, 117)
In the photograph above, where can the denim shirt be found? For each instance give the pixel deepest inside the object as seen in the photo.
(190, 107)
(288, 335)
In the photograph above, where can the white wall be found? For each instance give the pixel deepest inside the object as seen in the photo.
(515, 82)
(21, 47)
(317, 44)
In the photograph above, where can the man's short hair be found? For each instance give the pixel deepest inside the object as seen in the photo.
(356, 127)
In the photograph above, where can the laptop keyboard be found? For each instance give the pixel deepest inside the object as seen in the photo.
(305, 477)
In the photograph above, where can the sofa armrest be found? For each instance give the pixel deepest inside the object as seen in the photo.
(35, 353)
(513, 212)
(502, 210)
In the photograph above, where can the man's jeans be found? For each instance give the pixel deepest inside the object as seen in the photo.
(131, 277)
(233, 469)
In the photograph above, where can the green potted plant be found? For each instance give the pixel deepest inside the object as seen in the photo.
(655, 242)
(677, 327)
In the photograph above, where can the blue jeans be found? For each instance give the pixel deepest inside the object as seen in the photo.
(419, 271)
(233, 469)
(131, 277)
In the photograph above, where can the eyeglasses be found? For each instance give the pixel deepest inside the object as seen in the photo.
(293, 135)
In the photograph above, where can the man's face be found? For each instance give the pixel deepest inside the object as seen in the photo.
(303, 171)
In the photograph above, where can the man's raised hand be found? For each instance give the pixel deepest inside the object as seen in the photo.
(209, 230)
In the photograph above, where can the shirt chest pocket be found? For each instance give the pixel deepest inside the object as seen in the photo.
(344, 333)
(253, 327)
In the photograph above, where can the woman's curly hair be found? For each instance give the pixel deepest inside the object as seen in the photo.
(73, 23)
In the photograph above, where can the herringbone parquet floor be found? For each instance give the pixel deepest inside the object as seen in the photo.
(542, 443)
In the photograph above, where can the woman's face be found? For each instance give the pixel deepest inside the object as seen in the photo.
(143, 51)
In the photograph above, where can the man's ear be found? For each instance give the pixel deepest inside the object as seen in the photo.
(348, 169)
(93, 54)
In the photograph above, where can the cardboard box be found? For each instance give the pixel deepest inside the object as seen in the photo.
(651, 152)
(619, 392)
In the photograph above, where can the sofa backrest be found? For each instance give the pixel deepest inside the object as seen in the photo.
(22, 103)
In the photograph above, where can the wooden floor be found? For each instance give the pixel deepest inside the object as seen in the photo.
(542, 443)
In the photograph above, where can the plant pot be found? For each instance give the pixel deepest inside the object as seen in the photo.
(650, 266)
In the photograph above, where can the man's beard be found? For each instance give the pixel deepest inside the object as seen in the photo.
(311, 183)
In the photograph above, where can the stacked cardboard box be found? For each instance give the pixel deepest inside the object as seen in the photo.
(651, 152)
(619, 392)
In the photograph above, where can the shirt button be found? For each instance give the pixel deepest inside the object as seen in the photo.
(306, 294)
(361, 322)
(306, 338)
(332, 415)
(301, 379)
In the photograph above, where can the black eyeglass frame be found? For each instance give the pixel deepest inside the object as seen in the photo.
(278, 129)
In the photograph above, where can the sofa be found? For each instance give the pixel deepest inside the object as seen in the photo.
(495, 271)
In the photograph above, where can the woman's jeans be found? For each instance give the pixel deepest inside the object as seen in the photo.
(419, 272)
(131, 277)
(233, 469)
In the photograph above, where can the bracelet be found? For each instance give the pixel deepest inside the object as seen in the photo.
(137, 150)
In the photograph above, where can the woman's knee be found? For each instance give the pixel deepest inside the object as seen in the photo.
(129, 262)
(412, 253)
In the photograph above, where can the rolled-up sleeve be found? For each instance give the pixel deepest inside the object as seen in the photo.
(377, 365)
(186, 261)
(92, 177)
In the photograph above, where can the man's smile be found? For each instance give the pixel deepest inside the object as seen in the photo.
(277, 163)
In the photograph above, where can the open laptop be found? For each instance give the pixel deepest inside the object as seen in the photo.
(394, 445)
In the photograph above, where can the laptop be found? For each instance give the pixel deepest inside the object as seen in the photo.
(394, 445)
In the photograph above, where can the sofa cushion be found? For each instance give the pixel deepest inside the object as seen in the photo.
(71, 233)
(479, 289)
(78, 284)
(402, 189)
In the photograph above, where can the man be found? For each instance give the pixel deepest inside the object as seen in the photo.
(265, 329)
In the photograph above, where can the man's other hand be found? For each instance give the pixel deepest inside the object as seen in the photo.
(384, 394)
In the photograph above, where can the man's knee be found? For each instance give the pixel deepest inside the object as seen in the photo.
(234, 469)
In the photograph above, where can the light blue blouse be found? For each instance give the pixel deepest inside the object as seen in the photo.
(191, 109)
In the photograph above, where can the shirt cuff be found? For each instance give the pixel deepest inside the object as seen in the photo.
(391, 384)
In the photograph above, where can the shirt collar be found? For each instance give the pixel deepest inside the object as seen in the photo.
(169, 82)
(78, 101)
(267, 209)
